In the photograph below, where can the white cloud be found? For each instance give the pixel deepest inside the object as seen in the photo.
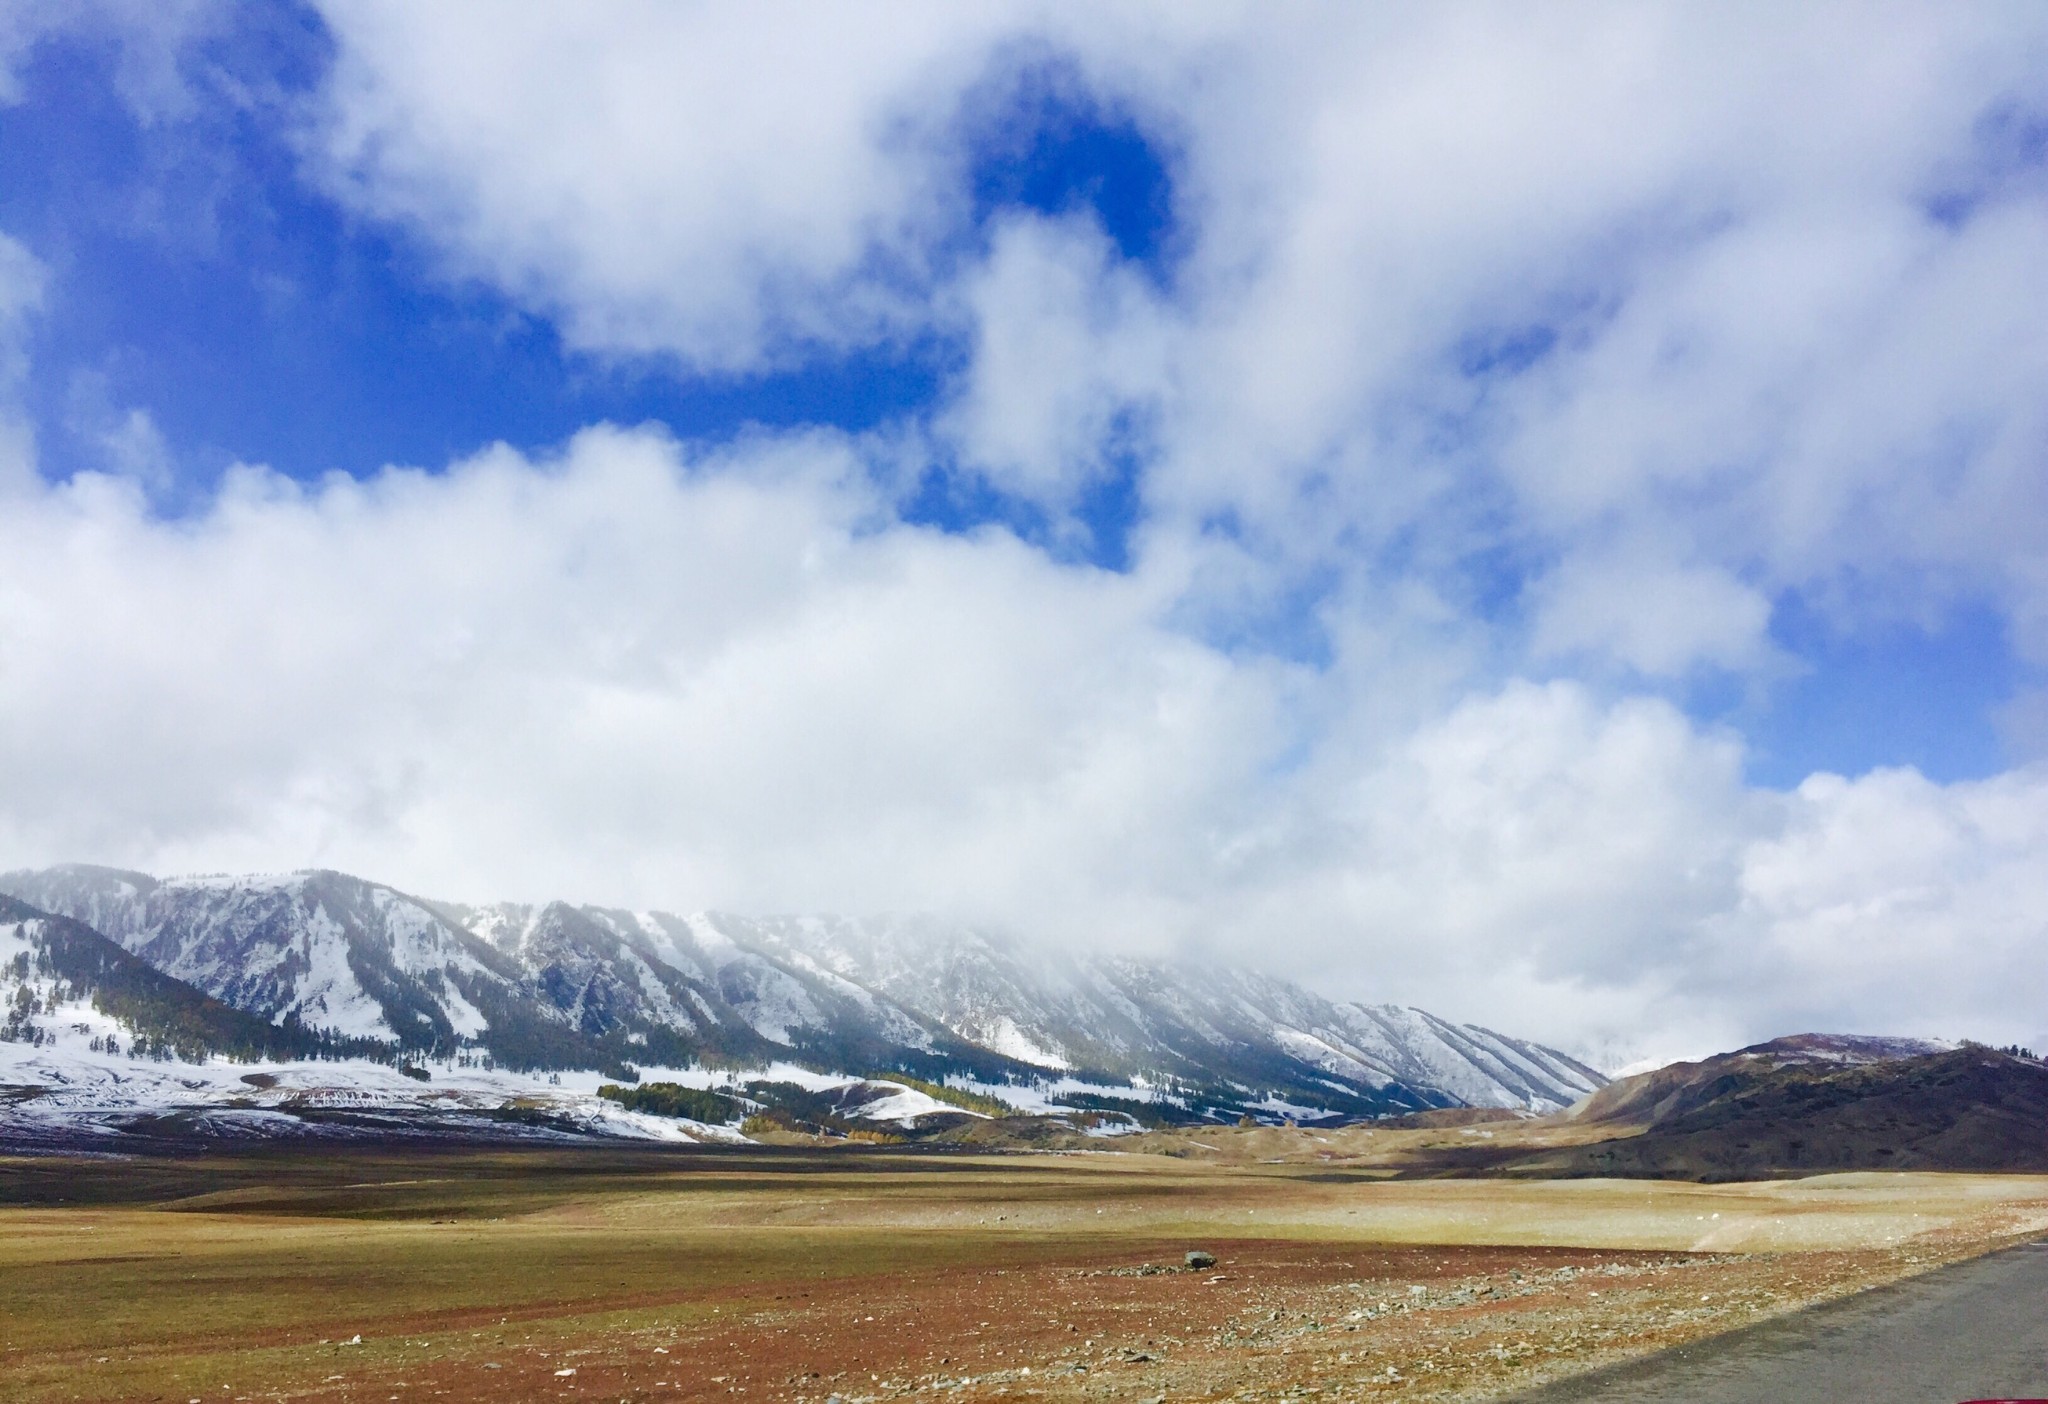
(21, 293)
(713, 183)
(632, 675)
(1889, 901)
(618, 675)
(1658, 616)
(1772, 358)
(1068, 361)
(1547, 859)
(148, 38)
(731, 187)
(126, 441)
(1665, 300)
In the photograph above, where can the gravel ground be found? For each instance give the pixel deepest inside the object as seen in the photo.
(1274, 1320)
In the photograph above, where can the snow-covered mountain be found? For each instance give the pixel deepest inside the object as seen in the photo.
(329, 951)
(66, 987)
(1138, 1019)
(564, 986)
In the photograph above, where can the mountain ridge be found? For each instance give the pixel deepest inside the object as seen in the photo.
(55, 971)
(563, 985)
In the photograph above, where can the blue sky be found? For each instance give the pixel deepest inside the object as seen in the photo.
(196, 275)
(1218, 434)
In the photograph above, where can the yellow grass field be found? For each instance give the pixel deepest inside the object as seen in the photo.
(805, 1273)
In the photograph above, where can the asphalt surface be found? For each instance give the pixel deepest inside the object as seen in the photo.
(1978, 1330)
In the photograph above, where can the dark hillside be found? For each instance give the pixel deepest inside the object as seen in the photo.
(1750, 1118)
(1650, 1098)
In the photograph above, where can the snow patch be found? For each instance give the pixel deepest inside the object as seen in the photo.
(1006, 1038)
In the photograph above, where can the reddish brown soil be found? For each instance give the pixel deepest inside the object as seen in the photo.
(1302, 1319)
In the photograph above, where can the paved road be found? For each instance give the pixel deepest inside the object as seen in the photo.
(1978, 1330)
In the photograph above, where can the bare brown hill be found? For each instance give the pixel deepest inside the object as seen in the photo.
(1656, 1097)
(1755, 1114)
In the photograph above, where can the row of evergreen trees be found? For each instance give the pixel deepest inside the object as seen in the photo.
(673, 1099)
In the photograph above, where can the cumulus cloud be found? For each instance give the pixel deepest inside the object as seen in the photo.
(709, 183)
(726, 678)
(1650, 613)
(1511, 363)
(1068, 364)
(1628, 277)
(21, 292)
(1862, 881)
(724, 187)
(633, 674)
(1773, 304)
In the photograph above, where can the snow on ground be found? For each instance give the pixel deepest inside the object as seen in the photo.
(74, 1079)
(1044, 1098)
(75, 1085)
(904, 1104)
(901, 1105)
(1006, 1038)
(1321, 1053)
(1294, 1111)
(328, 996)
(1111, 1124)
(734, 1080)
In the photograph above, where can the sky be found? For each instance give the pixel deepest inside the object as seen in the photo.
(1536, 513)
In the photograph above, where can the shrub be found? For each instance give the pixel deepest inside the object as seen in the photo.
(673, 1099)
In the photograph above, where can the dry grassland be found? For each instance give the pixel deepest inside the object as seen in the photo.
(606, 1275)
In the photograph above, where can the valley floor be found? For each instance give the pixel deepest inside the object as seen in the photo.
(698, 1273)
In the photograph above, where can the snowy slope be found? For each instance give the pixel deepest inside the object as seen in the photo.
(1129, 1017)
(321, 949)
(563, 986)
(64, 986)
(592, 970)
(41, 1009)
(80, 1092)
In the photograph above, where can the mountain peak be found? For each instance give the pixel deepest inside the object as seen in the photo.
(563, 985)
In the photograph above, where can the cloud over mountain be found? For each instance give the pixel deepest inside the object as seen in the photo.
(1370, 549)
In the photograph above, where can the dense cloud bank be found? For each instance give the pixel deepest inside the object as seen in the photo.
(627, 675)
(1500, 373)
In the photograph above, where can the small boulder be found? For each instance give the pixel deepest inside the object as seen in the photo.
(1197, 1260)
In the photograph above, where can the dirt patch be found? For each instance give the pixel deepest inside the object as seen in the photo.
(770, 1277)
(1274, 1318)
